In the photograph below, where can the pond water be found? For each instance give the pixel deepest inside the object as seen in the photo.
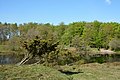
(14, 59)
(10, 59)
(102, 58)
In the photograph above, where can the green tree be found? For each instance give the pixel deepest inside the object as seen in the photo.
(73, 30)
(37, 47)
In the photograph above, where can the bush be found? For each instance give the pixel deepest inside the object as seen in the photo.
(115, 44)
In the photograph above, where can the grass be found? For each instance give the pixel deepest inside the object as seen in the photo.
(95, 71)
(4, 50)
(92, 71)
(30, 72)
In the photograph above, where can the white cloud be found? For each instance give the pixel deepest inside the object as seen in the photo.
(108, 1)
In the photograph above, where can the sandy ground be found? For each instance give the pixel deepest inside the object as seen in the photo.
(103, 51)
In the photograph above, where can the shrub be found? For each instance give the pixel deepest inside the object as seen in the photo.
(115, 44)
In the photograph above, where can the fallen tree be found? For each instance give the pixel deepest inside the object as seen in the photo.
(37, 47)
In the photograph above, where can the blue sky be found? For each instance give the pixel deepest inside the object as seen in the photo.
(56, 11)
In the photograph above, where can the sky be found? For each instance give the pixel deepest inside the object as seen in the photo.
(57, 11)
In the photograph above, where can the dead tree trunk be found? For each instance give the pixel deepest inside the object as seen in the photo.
(25, 59)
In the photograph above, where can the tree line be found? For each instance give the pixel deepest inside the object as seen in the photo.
(61, 43)
(92, 34)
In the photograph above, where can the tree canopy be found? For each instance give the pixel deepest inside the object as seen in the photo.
(39, 39)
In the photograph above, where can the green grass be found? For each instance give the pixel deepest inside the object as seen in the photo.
(4, 49)
(30, 72)
(93, 71)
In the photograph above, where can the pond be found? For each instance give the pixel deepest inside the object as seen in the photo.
(10, 59)
(100, 58)
(13, 59)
